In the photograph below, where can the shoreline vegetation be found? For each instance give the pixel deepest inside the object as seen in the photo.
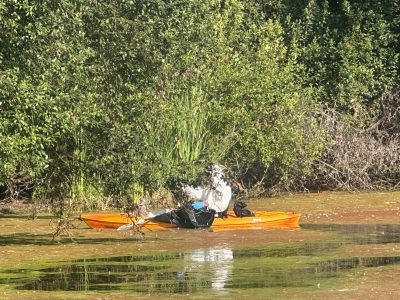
(103, 104)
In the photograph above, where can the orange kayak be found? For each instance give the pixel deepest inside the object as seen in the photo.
(261, 219)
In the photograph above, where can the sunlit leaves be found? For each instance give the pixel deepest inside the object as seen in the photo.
(107, 95)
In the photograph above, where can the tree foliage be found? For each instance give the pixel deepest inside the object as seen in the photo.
(108, 98)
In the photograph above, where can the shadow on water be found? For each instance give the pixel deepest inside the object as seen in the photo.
(23, 217)
(46, 239)
(216, 268)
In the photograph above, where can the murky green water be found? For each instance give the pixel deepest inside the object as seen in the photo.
(219, 269)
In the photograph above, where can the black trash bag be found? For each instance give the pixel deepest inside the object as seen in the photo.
(188, 217)
(240, 210)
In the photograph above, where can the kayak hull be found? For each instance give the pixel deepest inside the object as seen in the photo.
(260, 219)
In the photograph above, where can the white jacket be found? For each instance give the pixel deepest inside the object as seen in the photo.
(217, 194)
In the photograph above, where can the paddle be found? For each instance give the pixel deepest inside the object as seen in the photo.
(150, 216)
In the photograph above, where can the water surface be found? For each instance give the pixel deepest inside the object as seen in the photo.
(222, 269)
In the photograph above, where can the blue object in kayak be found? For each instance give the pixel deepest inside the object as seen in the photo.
(198, 205)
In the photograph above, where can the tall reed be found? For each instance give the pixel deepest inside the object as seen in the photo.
(189, 128)
(178, 138)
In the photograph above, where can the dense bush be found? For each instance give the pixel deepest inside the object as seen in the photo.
(114, 99)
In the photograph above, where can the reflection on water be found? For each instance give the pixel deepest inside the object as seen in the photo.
(354, 262)
(220, 262)
(218, 269)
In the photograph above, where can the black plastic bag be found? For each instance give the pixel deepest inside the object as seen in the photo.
(188, 217)
(240, 210)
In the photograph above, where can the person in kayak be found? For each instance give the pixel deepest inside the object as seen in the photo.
(211, 201)
(216, 195)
